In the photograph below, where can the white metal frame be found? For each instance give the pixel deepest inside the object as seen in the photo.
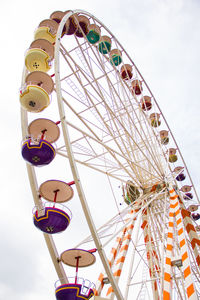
(138, 168)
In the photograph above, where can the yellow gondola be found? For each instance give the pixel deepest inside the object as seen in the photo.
(44, 33)
(34, 98)
(37, 60)
(172, 155)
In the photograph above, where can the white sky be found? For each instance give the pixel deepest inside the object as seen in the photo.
(163, 39)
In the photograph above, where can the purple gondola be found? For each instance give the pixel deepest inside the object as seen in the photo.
(38, 154)
(73, 292)
(180, 177)
(80, 289)
(53, 220)
(196, 216)
(188, 196)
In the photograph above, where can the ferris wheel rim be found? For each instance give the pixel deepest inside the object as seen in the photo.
(78, 11)
(64, 124)
(72, 161)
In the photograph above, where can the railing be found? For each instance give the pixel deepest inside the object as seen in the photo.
(86, 285)
(53, 205)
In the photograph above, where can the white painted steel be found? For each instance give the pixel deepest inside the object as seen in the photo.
(73, 164)
(121, 144)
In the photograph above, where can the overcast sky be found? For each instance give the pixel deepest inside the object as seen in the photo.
(163, 39)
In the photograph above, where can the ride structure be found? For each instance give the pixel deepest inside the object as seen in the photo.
(136, 194)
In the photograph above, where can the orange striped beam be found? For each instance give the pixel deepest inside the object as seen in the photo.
(148, 238)
(118, 266)
(113, 254)
(189, 286)
(168, 267)
(191, 232)
(151, 253)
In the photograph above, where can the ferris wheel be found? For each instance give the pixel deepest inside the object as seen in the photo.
(107, 143)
